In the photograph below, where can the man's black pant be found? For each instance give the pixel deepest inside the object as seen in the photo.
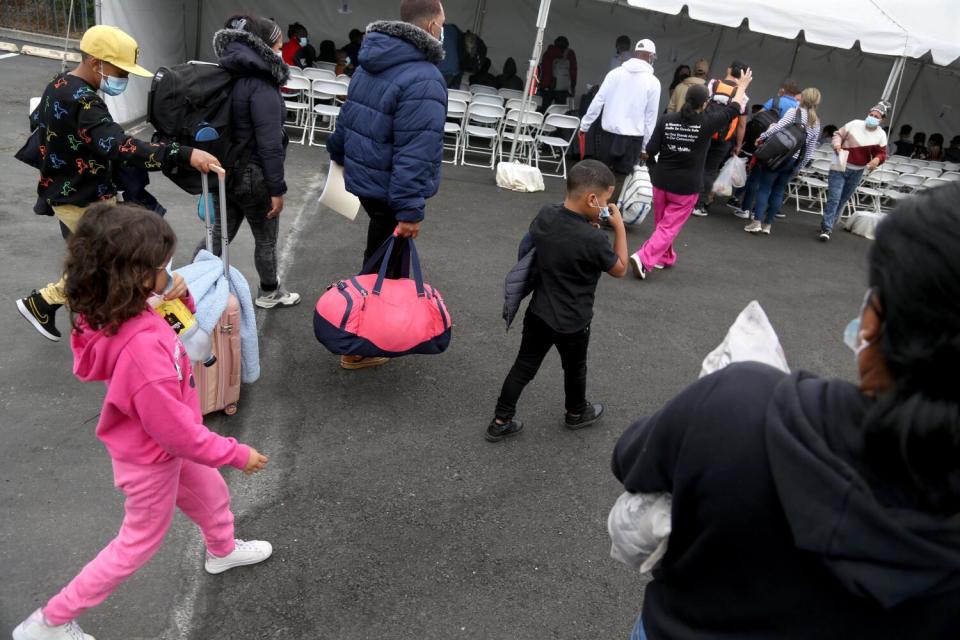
(538, 338)
(382, 225)
(717, 154)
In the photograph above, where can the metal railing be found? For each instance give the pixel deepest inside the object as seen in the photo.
(50, 17)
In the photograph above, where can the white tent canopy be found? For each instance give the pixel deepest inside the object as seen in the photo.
(851, 79)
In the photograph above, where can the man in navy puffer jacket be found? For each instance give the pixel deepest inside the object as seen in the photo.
(389, 136)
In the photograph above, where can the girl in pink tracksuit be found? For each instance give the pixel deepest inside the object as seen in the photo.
(163, 456)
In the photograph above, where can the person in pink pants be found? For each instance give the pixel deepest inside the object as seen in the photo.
(676, 154)
(163, 456)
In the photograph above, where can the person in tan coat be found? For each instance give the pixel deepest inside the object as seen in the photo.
(700, 72)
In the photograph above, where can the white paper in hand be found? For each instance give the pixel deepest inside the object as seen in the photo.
(335, 194)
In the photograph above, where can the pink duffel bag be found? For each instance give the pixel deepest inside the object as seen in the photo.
(369, 315)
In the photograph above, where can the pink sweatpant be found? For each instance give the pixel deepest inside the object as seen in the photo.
(670, 211)
(152, 492)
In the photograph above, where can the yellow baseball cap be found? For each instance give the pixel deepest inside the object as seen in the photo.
(113, 45)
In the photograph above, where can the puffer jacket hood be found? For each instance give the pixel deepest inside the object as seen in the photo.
(889, 554)
(390, 43)
(244, 54)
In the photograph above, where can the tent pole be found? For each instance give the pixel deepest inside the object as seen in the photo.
(716, 48)
(895, 73)
(793, 61)
(478, 17)
(909, 93)
(531, 70)
(196, 46)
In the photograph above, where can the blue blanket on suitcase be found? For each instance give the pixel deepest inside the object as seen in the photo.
(210, 291)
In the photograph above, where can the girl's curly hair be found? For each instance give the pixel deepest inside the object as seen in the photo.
(112, 260)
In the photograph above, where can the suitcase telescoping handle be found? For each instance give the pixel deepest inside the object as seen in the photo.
(208, 215)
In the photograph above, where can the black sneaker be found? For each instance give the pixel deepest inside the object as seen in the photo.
(824, 236)
(497, 432)
(41, 314)
(733, 202)
(590, 416)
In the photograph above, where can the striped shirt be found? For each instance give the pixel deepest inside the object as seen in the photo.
(813, 133)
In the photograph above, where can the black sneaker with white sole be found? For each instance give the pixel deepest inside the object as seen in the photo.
(41, 314)
(824, 236)
(588, 417)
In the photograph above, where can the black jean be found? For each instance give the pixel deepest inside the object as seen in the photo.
(382, 224)
(248, 199)
(717, 154)
(538, 338)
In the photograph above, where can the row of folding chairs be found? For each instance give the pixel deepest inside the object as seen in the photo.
(483, 92)
(316, 73)
(492, 130)
(314, 105)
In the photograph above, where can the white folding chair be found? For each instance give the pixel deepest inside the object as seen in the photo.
(522, 129)
(928, 172)
(872, 188)
(556, 135)
(330, 66)
(559, 109)
(511, 94)
(517, 103)
(906, 184)
(297, 72)
(457, 94)
(919, 163)
(453, 127)
(344, 78)
(811, 186)
(951, 166)
(314, 73)
(951, 176)
(481, 122)
(934, 182)
(908, 167)
(482, 88)
(486, 98)
(296, 100)
(330, 94)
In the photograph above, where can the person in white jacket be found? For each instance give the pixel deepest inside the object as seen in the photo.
(629, 99)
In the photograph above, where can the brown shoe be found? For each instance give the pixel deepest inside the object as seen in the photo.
(359, 362)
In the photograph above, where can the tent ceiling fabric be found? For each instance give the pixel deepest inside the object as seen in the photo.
(910, 28)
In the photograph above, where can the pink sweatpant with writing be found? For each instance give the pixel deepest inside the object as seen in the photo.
(152, 492)
(670, 211)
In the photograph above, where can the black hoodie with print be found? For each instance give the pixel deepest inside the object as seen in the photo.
(780, 530)
(81, 143)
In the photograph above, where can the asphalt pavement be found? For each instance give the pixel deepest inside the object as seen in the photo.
(390, 515)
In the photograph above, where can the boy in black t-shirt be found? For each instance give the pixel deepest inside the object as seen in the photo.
(571, 254)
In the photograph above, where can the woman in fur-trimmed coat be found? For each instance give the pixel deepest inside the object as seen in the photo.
(249, 48)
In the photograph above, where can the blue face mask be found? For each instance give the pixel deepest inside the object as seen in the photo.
(872, 122)
(112, 86)
(303, 42)
(851, 335)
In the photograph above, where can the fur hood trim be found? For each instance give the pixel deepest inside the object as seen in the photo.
(413, 34)
(278, 69)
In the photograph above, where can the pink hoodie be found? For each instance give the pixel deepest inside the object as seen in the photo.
(151, 412)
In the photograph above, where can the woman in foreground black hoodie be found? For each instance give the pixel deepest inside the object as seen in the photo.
(249, 48)
(805, 507)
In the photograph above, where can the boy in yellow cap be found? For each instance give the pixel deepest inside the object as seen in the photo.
(81, 143)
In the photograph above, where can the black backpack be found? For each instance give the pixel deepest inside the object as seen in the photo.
(779, 148)
(474, 51)
(190, 104)
(759, 123)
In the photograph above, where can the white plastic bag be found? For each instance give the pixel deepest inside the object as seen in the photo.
(639, 527)
(636, 196)
(639, 524)
(517, 176)
(733, 175)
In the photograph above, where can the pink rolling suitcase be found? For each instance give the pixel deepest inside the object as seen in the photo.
(219, 384)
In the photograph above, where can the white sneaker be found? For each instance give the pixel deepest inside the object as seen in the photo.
(765, 229)
(753, 227)
(742, 213)
(638, 269)
(249, 552)
(700, 213)
(780, 215)
(277, 298)
(36, 628)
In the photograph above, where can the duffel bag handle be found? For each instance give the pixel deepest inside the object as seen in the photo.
(387, 249)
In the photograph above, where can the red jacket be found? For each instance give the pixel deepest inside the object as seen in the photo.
(289, 50)
(546, 67)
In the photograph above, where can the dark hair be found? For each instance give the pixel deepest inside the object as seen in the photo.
(829, 130)
(589, 174)
(562, 42)
(679, 76)
(509, 68)
(328, 51)
(114, 250)
(737, 67)
(697, 95)
(906, 130)
(756, 108)
(955, 141)
(419, 11)
(919, 138)
(623, 41)
(936, 139)
(913, 430)
(355, 33)
(296, 30)
(267, 30)
(790, 87)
